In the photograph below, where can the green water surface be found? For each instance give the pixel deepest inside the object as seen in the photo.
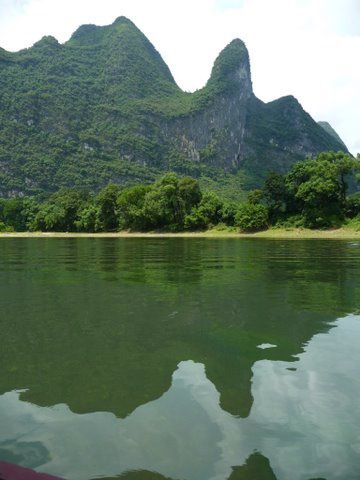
(181, 359)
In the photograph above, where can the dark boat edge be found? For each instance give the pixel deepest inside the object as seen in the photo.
(8, 471)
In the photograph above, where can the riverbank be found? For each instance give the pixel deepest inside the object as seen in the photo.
(273, 233)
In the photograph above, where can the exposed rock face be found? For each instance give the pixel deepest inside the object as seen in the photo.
(220, 125)
(104, 106)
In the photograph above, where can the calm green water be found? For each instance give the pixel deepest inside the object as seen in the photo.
(191, 359)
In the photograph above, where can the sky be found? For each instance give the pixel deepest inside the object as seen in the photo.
(306, 48)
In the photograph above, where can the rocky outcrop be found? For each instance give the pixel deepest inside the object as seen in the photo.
(215, 128)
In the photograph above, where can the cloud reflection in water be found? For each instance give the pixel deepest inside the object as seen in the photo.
(305, 422)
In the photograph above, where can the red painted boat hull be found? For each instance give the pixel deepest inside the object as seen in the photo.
(13, 472)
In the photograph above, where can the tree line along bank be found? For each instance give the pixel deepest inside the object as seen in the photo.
(313, 194)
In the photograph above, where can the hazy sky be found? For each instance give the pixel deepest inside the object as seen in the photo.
(308, 48)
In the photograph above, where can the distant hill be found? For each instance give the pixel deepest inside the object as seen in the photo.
(104, 107)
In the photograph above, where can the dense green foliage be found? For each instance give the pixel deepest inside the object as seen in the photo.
(172, 203)
(312, 194)
(252, 217)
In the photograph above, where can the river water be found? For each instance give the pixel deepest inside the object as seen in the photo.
(180, 358)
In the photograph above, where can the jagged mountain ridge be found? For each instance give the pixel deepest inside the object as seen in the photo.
(104, 107)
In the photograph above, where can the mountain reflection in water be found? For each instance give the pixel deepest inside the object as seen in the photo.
(304, 420)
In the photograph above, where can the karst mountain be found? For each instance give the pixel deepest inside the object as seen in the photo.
(104, 107)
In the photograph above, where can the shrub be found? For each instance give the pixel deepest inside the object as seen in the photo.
(251, 217)
(5, 228)
(352, 206)
(354, 223)
(207, 214)
(292, 221)
(228, 213)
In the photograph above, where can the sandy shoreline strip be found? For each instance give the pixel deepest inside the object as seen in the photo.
(341, 233)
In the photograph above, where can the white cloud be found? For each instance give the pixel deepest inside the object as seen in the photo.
(309, 48)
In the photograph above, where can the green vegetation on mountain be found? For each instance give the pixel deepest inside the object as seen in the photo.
(328, 128)
(104, 107)
(312, 194)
